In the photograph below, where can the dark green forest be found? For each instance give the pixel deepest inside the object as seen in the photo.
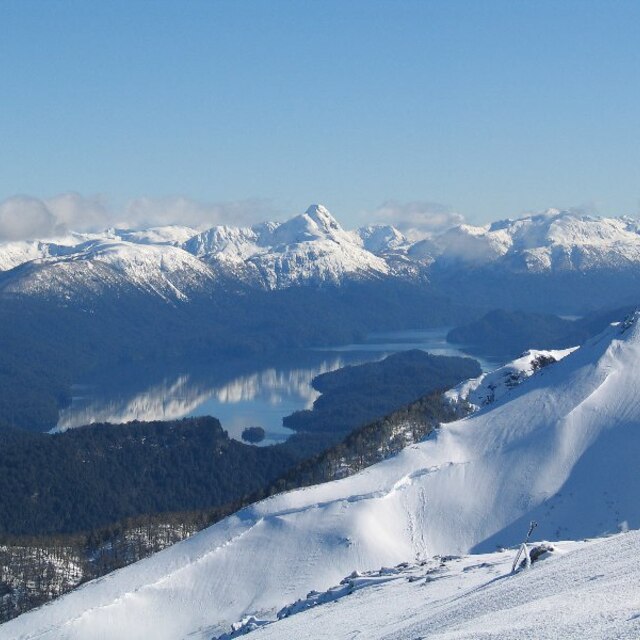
(509, 333)
(46, 345)
(356, 395)
(92, 476)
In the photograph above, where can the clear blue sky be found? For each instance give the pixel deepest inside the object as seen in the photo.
(489, 107)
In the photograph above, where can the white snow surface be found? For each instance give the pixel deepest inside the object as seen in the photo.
(582, 590)
(561, 448)
(171, 260)
(97, 265)
(492, 385)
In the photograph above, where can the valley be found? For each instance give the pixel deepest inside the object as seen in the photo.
(370, 370)
(320, 320)
(240, 393)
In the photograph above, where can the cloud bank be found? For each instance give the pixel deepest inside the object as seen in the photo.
(26, 217)
(417, 218)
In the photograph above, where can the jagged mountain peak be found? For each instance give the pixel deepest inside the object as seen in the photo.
(322, 217)
(315, 224)
(382, 238)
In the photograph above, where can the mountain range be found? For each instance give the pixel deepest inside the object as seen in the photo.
(547, 255)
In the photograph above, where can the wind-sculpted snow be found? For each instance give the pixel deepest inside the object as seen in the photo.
(561, 448)
(581, 591)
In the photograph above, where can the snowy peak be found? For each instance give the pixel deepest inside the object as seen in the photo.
(229, 241)
(322, 218)
(382, 239)
(309, 248)
(315, 224)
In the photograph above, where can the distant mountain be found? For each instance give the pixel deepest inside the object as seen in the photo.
(549, 242)
(558, 260)
(560, 448)
(177, 263)
(97, 267)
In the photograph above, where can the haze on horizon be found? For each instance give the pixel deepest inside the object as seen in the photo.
(401, 112)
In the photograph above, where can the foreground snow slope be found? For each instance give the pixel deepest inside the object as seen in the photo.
(583, 591)
(562, 447)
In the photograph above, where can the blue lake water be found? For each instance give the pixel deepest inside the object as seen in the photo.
(246, 394)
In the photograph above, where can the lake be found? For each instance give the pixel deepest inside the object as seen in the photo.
(240, 394)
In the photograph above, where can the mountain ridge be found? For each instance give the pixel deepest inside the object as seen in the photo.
(313, 249)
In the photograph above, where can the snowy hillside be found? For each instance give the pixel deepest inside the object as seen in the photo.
(580, 590)
(560, 448)
(491, 386)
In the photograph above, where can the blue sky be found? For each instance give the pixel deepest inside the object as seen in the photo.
(489, 109)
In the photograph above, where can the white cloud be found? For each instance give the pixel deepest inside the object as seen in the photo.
(145, 212)
(26, 217)
(79, 213)
(417, 217)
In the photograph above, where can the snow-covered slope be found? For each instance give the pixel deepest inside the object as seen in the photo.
(562, 448)
(581, 590)
(15, 253)
(491, 386)
(382, 239)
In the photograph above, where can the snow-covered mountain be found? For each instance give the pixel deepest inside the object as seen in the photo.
(312, 248)
(95, 267)
(553, 241)
(561, 447)
(479, 392)
(175, 262)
